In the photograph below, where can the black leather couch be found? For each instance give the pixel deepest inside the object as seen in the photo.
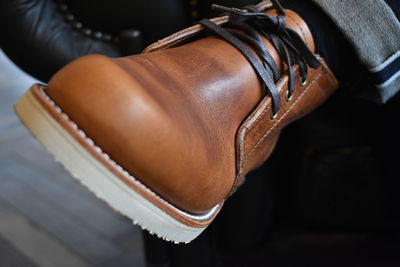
(41, 36)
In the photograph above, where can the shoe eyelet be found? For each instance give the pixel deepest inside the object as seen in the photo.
(289, 96)
(303, 82)
(324, 70)
(273, 115)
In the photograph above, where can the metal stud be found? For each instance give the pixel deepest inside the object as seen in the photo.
(87, 31)
(77, 25)
(69, 17)
(97, 35)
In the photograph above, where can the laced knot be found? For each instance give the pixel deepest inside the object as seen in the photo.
(273, 23)
(245, 27)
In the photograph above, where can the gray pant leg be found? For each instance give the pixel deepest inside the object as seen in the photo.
(374, 31)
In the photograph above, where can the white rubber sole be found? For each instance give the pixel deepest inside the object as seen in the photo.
(100, 180)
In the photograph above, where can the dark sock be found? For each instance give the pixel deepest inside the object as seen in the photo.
(395, 6)
(329, 41)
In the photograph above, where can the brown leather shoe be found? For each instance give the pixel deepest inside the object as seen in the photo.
(164, 137)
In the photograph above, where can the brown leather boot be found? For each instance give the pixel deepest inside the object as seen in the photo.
(166, 136)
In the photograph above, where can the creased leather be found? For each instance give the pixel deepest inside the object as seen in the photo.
(171, 117)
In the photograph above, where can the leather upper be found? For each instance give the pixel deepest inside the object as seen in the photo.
(176, 118)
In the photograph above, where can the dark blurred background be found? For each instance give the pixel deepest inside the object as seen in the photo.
(328, 196)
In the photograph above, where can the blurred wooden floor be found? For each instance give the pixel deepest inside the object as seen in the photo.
(46, 217)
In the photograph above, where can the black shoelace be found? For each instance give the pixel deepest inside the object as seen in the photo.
(247, 26)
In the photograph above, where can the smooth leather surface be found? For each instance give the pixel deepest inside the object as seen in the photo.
(171, 117)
